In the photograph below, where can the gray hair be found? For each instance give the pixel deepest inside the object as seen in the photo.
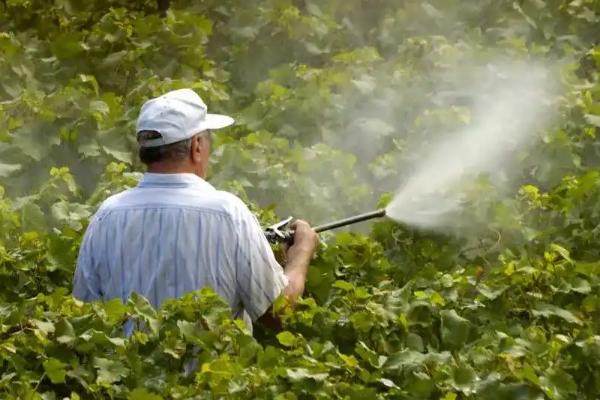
(171, 152)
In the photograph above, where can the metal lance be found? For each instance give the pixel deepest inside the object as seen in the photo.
(350, 220)
(282, 233)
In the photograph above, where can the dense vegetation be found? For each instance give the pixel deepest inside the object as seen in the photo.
(331, 98)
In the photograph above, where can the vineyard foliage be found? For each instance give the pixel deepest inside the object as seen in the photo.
(331, 98)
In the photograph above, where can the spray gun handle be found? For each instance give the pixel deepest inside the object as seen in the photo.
(280, 232)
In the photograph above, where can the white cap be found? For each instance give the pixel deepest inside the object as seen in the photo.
(177, 115)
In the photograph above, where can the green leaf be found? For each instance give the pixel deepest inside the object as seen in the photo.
(557, 384)
(70, 213)
(99, 107)
(189, 330)
(550, 310)
(343, 285)
(575, 284)
(388, 383)
(489, 293)
(32, 217)
(115, 310)
(409, 359)
(588, 268)
(142, 394)
(562, 251)
(465, 379)
(8, 169)
(420, 385)
(33, 144)
(65, 333)
(55, 369)
(414, 342)
(362, 320)
(145, 312)
(44, 326)
(286, 338)
(449, 396)
(592, 119)
(109, 371)
(93, 82)
(455, 329)
(529, 373)
(119, 155)
(299, 374)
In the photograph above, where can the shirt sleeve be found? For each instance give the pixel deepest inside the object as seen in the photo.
(260, 278)
(86, 283)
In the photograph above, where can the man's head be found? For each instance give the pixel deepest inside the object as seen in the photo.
(173, 131)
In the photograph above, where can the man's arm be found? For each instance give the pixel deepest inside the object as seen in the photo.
(260, 280)
(298, 257)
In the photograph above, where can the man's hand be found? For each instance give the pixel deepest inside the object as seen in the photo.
(305, 239)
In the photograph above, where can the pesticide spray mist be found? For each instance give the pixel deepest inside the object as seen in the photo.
(510, 109)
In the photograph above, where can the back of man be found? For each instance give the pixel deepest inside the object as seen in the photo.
(174, 233)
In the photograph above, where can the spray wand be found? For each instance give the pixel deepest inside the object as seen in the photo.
(281, 232)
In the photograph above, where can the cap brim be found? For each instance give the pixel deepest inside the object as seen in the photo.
(217, 121)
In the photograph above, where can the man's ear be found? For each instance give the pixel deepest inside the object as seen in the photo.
(196, 149)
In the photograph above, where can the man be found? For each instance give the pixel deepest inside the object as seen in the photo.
(174, 233)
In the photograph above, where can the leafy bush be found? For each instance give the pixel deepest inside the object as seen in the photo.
(332, 99)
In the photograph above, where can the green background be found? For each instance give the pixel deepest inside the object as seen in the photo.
(332, 99)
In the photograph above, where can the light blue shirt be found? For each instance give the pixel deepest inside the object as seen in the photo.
(172, 234)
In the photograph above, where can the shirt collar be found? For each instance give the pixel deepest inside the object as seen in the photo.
(174, 180)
